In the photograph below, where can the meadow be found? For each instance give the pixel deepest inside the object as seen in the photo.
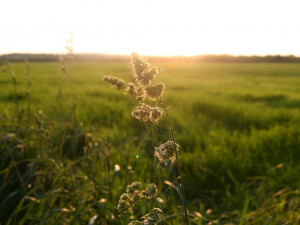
(69, 145)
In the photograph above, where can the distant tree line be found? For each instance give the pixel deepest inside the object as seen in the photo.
(125, 58)
(231, 59)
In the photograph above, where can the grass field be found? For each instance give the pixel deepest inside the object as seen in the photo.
(238, 126)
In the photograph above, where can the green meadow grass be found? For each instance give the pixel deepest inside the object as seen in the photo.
(238, 126)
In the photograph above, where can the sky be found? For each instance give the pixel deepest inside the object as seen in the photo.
(152, 27)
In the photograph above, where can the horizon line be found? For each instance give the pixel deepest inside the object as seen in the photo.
(151, 55)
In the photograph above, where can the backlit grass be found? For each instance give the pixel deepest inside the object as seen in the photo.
(238, 126)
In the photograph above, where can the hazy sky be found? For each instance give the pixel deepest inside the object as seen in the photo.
(152, 27)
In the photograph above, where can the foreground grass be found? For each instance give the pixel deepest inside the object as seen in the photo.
(238, 125)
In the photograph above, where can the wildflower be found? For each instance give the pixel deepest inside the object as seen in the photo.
(166, 154)
(155, 91)
(115, 82)
(117, 168)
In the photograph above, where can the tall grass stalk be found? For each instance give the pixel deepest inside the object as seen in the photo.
(143, 89)
(14, 81)
(15, 166)
(149, 129)
(177, 163)
(88, 149)
(28, 91)
(65, 61)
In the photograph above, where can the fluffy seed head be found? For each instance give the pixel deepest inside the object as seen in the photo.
(129, 199)
(153, 217)
(140, 93)
(142, 113)
(125, 203)
(166, 154)
(132, 89)
(145, 113)
(133, 187)
(151, 191)
(143, 72)
(156, 113)
(115, 82)
(134, 194)
(136, 90)
(155, 91)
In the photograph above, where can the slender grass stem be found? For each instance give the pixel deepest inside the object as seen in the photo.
(14, 81)
(161, 174)
(27, 75)
(92, 173)
(15, 165)
(153, 146)
(178, 164)
(164, 193)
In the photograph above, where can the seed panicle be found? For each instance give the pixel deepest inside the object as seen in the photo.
(133, 195)
(142, 75)
(115, 82)
(155, 91)
(147, 113)
(152, 218)
(166, 154)
(151, 191)
(143, 72)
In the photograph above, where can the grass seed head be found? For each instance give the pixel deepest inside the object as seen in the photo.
(166, 154)
(115, 82)
(124, 205)
(129, 199)
(143, 71)
(136, 90)
(156, 113)
(155, 91)
(153, 217)
(132, 89)
(145, 113)
(142, 113)
(133, 187)
(140, 93)
(151, 191)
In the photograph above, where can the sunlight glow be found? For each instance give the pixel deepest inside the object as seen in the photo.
(168, 27)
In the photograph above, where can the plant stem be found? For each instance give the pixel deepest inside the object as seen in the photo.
(14, 81)
(149, 129)
(153, 146)
(88, 152)
(15, 165)
(178, 164)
